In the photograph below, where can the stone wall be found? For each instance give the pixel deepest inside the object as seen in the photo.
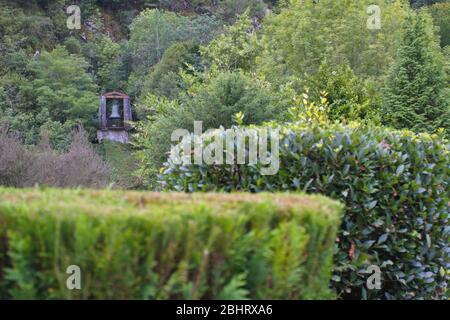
(113, 135)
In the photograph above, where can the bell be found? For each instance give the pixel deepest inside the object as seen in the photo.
(115, 111)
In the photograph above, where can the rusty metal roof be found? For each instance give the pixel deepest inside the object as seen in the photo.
(115, 95)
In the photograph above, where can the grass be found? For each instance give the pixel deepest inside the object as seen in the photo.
(120, 157)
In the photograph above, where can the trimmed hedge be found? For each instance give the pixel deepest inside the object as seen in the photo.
(132, 245)
(395, 185)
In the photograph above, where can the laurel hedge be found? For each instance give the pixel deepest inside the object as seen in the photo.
(395, 185)
(133, 245)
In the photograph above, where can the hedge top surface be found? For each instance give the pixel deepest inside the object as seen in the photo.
(96, 202)
(137, 245)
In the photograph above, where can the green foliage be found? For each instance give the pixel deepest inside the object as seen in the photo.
(414, 93)
(230, 9)
(307, 111)
(349, 98)
(237, 48)
(219, 99)
(440, 13)
(25, 123)
(319, 54)
(163, 78)
(22, 30)
(20, 115)
(153, 31)
(214, 101)
(395, 185)
(62, 86)
(420, 3)
(121, 159)
(73, 45)
(108, 57)
(165, 246)
(59, 134)
(305, 33)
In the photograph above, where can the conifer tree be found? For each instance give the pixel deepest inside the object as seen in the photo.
(414, 94)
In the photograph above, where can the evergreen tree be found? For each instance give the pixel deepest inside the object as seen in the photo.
(414, 92)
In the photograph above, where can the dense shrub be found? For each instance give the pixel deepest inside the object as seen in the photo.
(13, 158)
(395, 185)
(160, 246)
(79, 165)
